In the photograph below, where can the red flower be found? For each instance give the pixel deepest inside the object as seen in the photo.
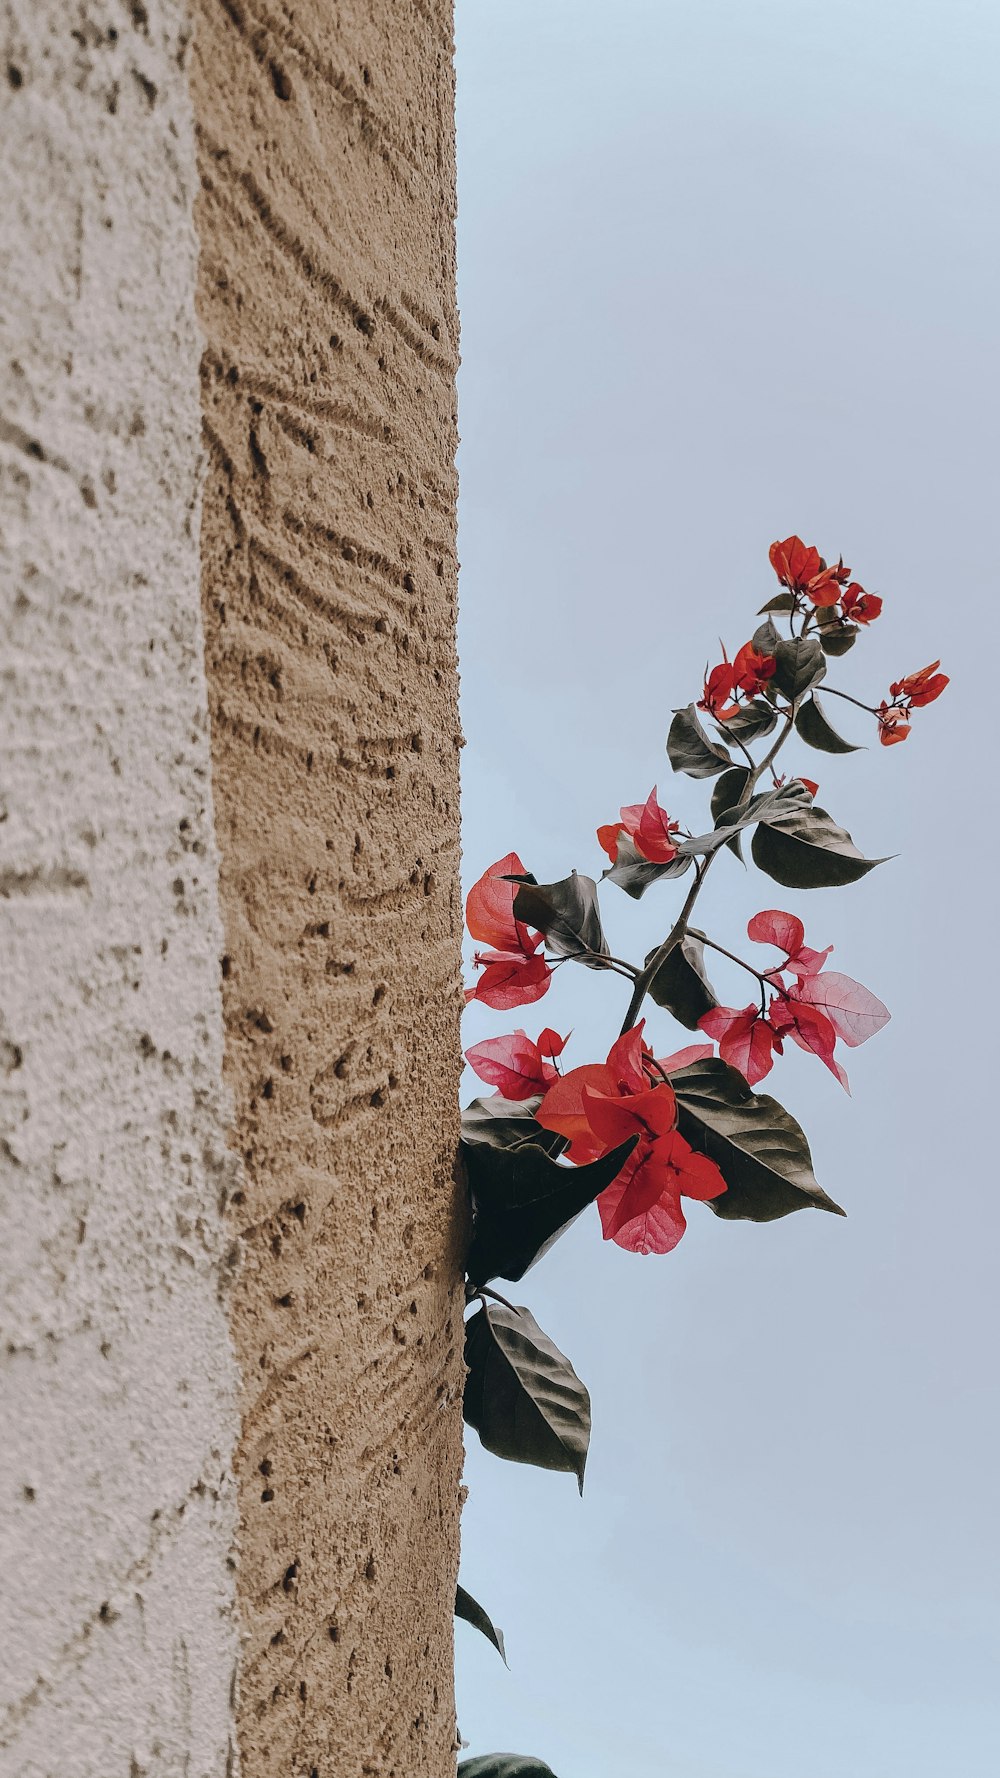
(803, 570)
(920, 688)
(752, 670)
(787, 933)
(892, 724)
(514, 971)
(858, 606)
(794, 564)
(516, 1065)
(720, 685)
(810, 1029)
(603, 1104)
(818, 1008)
(746, 1040)
(649, 828)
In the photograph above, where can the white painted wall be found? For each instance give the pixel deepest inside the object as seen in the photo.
(117, 1388)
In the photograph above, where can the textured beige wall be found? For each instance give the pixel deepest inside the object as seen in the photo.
(117, 1392)
(326, 143)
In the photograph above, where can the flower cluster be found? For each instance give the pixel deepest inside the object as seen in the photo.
(800, 999)
(907, 695)
(809, 581)
(514, 971)
(743, 678)
(647, 826)
(602, 1105)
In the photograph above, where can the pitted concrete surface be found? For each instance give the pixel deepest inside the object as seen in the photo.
(116, 1371)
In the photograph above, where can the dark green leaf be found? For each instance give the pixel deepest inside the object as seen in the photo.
(522, 1395)
(780, 602)
(681, 983)
(726, 792)
(522, 1200)
(759, 1149)
(690, 750)
(568, 914)
(765, 807)
(801, 663)
(508, 1123)
(838, 641)
(504, 1765)
(817, 731)
(766, 638)
(471, 1611)
(634, 874)
(750, 721)
(804, 849)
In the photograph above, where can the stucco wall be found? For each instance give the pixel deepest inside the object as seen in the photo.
(326, 141)
(229, 965)
(117, 1389)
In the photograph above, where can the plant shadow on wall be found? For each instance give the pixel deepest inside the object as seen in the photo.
(638, 1132)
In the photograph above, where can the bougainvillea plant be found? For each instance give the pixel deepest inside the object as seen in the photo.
(639, 1132)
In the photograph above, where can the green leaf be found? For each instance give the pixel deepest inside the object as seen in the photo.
(522, 1395)
(766, 638)
(471, 1611)
(635, 874)
(801, 663)
(508, 1123)
(681, 983)
(567, 913)
(690, 750)
(780, 602)
(504, 1765)
(804, 848)
(522, 1201)
(766, 807)
(758, 1147)
(726, 792)
(817, 731)
(840, 640)
(750, 721)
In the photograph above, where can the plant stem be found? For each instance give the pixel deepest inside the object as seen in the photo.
(761, 977)
(831, 691)
(680, 926)
(485, 1291)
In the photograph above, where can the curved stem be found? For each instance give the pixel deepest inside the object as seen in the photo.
(831, 691)
(680, 926)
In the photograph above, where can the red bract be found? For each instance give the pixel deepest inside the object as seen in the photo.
(892, 725)
(858, 606)
(920, 688)
(601, 1105)
(794, 564)
(720, 684)
(854, 1011)
(516, 1065)
(514, 972)
(752, 670)
(787, 933)
(802, 570)
(809, 1028)
(643, 1213)
(746, 1040)
(649, 828)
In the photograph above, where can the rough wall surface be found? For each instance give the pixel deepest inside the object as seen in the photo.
(117, 1379)
(326, 135)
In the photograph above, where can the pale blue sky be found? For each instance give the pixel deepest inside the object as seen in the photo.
(729, 270)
